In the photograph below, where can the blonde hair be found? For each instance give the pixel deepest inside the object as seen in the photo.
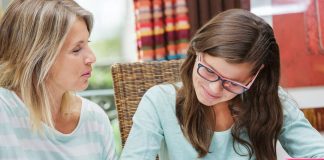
(32, 33)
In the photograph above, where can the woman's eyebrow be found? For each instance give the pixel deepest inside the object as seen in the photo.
(79, 42)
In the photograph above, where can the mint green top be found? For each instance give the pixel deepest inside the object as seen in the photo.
(156, 130)
(92, 139)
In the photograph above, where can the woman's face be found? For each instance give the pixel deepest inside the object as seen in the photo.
(72, 68)
(213, 93)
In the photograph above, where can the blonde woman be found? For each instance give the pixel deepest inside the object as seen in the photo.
(44, 58)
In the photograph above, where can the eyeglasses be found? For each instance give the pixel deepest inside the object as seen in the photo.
(212, 76)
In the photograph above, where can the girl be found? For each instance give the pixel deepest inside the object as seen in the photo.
(229, 104)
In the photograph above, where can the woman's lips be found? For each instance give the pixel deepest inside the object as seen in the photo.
(86, 74)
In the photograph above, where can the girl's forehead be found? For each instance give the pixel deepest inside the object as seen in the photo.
(239, 72)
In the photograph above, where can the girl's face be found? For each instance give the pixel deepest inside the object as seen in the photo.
(212, 90)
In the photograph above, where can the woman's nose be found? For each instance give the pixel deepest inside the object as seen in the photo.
(91, 57)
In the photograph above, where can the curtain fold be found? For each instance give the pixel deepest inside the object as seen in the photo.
(162, 29)
(201, 11)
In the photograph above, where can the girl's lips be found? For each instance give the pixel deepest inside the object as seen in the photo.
(209, 94)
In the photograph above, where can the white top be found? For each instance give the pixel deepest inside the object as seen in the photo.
(91, 139)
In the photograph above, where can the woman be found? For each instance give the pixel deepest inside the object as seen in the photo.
(44, 59)
(228, 106)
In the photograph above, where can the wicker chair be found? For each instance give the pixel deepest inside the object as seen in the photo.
(132, 80)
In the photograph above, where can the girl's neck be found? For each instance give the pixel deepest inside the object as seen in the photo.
(223, 117)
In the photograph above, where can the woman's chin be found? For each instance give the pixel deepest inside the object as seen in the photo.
(82, 88)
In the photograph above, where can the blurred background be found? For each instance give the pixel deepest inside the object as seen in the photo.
(146, 30)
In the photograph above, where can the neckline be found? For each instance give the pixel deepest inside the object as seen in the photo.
(49, 130)
(227, 131)
(65, 136)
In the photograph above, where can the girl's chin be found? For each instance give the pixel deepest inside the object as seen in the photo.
(207, 102)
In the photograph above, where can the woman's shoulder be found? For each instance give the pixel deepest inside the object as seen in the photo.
(5, 93)
(11, 107)
(9, 100)
(3, 100)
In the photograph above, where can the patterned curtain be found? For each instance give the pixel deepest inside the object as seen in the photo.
(162, 29)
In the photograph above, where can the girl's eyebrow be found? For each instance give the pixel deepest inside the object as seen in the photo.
(214, 70)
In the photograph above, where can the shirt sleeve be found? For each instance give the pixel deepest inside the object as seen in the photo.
(104, 131)
(298, 137)
(146, 134)
(110, 147)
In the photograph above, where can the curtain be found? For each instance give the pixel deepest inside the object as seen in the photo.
(201, 11)
(162, 29)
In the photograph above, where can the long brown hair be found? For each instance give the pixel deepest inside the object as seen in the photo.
(238, 36)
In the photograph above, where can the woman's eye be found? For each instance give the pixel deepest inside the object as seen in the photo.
(76, 50)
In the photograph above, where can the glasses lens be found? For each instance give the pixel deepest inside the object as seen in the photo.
(206, 73)
(233, 87)
(211, 76)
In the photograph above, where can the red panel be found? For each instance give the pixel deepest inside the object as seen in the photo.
(321, 23)
(300, 38)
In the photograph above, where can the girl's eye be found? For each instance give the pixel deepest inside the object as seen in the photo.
(233, 84)
(209, 70)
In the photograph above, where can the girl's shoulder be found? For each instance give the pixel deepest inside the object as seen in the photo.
(162, 93)
(160, 98)
(164, 88)
(291, 109)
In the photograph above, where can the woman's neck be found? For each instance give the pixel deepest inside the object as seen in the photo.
(55, 97)
(65, 122)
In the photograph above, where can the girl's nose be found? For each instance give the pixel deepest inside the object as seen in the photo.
(216, 87)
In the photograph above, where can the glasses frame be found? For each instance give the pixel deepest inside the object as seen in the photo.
(223, 79)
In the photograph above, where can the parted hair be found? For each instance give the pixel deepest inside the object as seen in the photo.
(237, 36)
